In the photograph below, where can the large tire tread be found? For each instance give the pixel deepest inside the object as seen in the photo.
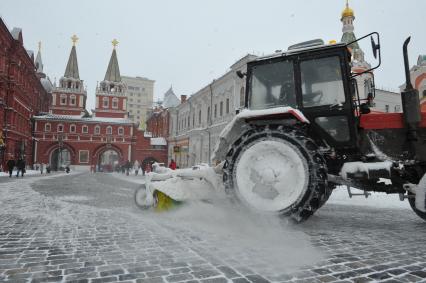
(318, 190)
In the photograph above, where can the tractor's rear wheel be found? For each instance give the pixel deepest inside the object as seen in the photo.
(412, 202)
(278, 170)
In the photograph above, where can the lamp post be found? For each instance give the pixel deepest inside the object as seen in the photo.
(60, 144)
(2, 149)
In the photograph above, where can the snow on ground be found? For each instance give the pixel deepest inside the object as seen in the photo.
(57, 210)
(27, 173)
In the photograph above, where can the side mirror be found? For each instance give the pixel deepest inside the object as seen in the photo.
(241, 74)
(374, 46)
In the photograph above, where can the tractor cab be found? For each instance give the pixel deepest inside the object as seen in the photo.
(316, 79)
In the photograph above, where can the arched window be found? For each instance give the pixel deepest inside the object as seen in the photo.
(242, 97)
(97, 130)
(115, 102)
(84, 129)
(72, 100)
(121, 131)
(199, 117)
(60, 128)
(72, 128)
(105, 102)
(47, 127)
(109, 130)
(63, 99)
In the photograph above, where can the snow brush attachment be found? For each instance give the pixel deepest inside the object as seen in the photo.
(163, 202)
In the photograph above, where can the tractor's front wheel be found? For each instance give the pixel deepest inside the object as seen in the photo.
(277, 170)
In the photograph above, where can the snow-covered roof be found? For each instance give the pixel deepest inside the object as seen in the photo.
(170, 99)
(158, 141)
(83, 119)
(47, 84)
(15, 33)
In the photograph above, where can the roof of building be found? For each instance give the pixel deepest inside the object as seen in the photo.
(421, 60)
(158, 141)
(47, 84)
(113, 71)
(39, 62)
(170, 99)
(83, 119)
(15, 33)
(71, 70)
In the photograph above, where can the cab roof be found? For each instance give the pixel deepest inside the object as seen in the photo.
(300, 51)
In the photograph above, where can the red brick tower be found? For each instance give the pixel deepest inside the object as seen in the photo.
(69, 98)
(110, 95)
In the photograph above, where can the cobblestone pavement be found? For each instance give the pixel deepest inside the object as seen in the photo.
(86, 228)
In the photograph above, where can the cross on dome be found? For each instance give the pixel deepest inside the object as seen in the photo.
(74, 39)
(114, 42)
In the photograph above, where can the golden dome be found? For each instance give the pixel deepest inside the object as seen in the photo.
(347, 12)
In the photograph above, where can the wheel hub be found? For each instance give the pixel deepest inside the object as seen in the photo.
(271, 175)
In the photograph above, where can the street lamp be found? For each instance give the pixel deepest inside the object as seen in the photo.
(61, 144)
(2, 148)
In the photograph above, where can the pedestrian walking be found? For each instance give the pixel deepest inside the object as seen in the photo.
(20, 165)
(136, 167)
(172, 165)
(41, 168)
(10, 165)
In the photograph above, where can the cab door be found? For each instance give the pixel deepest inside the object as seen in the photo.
(324, 95)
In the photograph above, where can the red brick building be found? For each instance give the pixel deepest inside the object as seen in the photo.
(22, 95)
(158, 122)
(68, 135)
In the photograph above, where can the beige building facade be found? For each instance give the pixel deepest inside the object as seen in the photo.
(195, 124)
(140, 95)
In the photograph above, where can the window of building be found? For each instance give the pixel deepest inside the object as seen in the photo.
(242, 97)
(193, 120)
(73, 100)
(63, 99)
(72, 129)
(227, 106)
(188, 121)
(97, 130)
(221, 108)
(83, 156)
(215, 110)
(47, 127)
(121, 131)
(208, 114)
(109, 130)
(386, 108)
(84, 129)
(60, 128)
(138, 112)
(199, 117)
(105, 102)
(115, 102)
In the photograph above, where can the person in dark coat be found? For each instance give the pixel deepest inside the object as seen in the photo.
(21, 167)
(10, 165)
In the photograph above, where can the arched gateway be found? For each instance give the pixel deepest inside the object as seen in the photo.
(60, 158)
(108, 160)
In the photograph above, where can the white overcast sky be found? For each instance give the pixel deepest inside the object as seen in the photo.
(188, 43)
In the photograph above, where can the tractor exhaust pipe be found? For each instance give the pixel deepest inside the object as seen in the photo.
(410, 104)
